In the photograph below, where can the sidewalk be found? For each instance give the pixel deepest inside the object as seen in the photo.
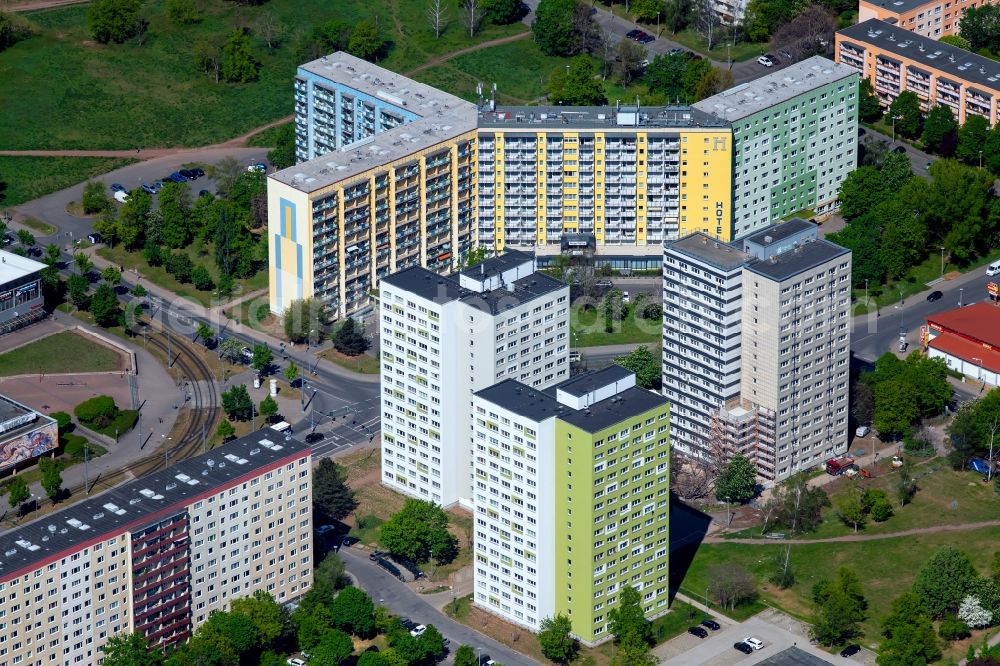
(219, 322)
(157, 408)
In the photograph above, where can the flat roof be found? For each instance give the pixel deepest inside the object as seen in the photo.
(777, 232)
(789, 264)
(443, 289)
(537, 405)
(770, 90)
(709, 250)
(531, 118)
(442, 117)
(979, 321)
(899, 6)
(794, 656)
(957, 63)
(14, 266)
(589, 382)
(496, 265)
(131, 505)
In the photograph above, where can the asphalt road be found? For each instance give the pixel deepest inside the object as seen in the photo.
(399, 599)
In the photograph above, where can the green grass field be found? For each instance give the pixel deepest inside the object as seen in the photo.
(28, 178)
(587, 328)
(64, 352)
(267, 138)
(128, 96)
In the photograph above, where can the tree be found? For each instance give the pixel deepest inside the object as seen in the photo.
(737, 482)
(553, 27)
(130, 650)
(972, 137)
(706, 22)
(803, 34)
(354, 612)
(104, 306)
(628, 618)
(17, 492)
(291, 372)
(862, 189)
(944, 580)
(302, 317)
(630, 56)
(849, 509)
(437, 16)
(955, 40)
(503, 12)
(175, 209)
(231, 633)
(881, 510)
(419, 532)
(953, 629)
(267, 615)
(633, 651)
(113, 20)
(83, 263)
(262, 357)
(665, 74)
(956, 207)
(205, 332)
(837, 619)
(644, 364)
(236, 403)
(331, 494)
(226, 431)
(472, 15)
(238, 63)
(712, 82)
(731, 585)
(798, 506)
(270, 29)
(231, 349)
(51, 478)
(909, 634)
(905, 483)
(99, 410)
(365, 41)
(134, 218)
(980, 26)
(179, 264)
(111, 275)
(208, 55)
(25, 237)
(183, 12)
(13, 29)
(79, 291)
(268, 408)
(334, 648)
(555, 639)
(350, 338)
(575, 86)
(862, 403)
(895, 407)
(94, 200)
(940, 131)
(282, 155)
(869, 108)
(465, 655)
(971, 612)
(909, 118)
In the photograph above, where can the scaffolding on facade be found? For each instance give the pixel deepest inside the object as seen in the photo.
(745, 428)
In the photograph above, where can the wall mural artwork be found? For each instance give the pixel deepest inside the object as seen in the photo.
(29, 445)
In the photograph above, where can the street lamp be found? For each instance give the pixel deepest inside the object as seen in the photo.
(942, 261)
(960, 290)
(866, 292)
(980, 361)
(894, 118)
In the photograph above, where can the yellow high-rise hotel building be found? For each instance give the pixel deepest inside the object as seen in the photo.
(393, 173)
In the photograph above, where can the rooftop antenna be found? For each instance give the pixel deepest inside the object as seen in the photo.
(493, 97)
(636, 111)
(479, 92)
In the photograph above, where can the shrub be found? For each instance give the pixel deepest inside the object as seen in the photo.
(201, 279)
(94, 199)
(180, 266)
(73, 448)
(953, 629)
(881, 510)
(99, 410)
(63, 420)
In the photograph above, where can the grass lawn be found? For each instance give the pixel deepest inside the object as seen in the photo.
(268, 138)
(63, 352)
(158, 275)
(127, 96)
(886, 568)
(365, 364)
(916, 281)
(742, 51)
(28, 178)
(588, 329)
(39, 226)
(255, 313)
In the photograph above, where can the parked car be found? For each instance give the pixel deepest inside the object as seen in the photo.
(626, 298)
(743, 647)
(118, 187)
(189, 174)
(754, 642)
(295, 661)
(604, 284)
(409, 566)
(862, 431)
(646, 38)
(850, 650)
(205, 193)
(934, 296)
(979, 465)
(784, 54)
(711, 624)
(389, 566)
(350, 540)
(899, 149)
(34, 251)
(675, 51)
(407, 623)
(484, 659)
(418, 631)
(323, 529)
(764, 60)
(177, 177)
(8, 239)
(632, 34)
(148, 188)
(121, 196)
(314, 437)
(95, 238)
(198, 171)
(698, 631)
(259, 167)
(644, 63)
(375, 554)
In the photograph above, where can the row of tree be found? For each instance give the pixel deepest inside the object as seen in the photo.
(897, 393)
(896, 219)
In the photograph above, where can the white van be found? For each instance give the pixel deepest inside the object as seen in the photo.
(121, 196)
(993, 269)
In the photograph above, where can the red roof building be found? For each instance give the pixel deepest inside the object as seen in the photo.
(968, 339)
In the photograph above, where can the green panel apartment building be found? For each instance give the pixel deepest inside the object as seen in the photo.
(795, 140)
(572, 499)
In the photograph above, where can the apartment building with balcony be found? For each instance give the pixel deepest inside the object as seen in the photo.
(571, 499)
(387, 197)
(632, 176)
(702, 295)
(928, 18)
(444, 337)
(795, 140)
(895, 59)
(756, 347)
(158, 554)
